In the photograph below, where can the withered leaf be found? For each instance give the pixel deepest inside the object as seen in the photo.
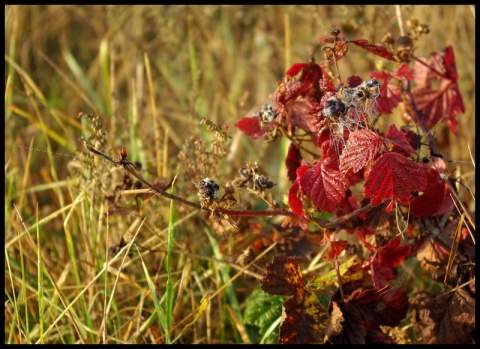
(444, 318)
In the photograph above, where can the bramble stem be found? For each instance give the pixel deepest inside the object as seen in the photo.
(132, 169)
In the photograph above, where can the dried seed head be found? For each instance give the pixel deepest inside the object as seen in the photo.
(244, 172)
(334, 108)
(268, 112)
(262, 182)
(208, 189)
(335, 32)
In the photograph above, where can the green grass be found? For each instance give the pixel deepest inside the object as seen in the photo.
(153, 72)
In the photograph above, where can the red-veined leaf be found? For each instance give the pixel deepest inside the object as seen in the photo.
(381, 51)
(400, 142)
(284, 277)
(393, 176)
(404, 72)
(335, 248)
(446, 100)
(304, 321)
(390, 96)
(391, 254)
(362, 146)
(354, 81)
(251, 127)
(435, 199)
(324, 185)
(295, 69)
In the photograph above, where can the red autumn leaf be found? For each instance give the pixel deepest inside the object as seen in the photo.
(324, 185)
(381, 51)
(250, 125)
(291, 90)
(335, 248)
(331, 150)
(445, 100)
(413, 138)
(354, 81)
(436, 199)
(295, 69)
(380, 274)
(304, 321)
(295, 203)
(304, 315)
(284, 277)
(325, 83)
(391, 254)
(390, 94)
(293, 161)
(298, 111)
(404, 72)
(399, 141)
(393, 176)
(362, 146)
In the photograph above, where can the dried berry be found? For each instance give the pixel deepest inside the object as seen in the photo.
(334, 108)
(262, 182)
(267, 113)
(208, 189)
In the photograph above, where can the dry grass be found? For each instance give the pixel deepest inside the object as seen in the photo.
(153, 72)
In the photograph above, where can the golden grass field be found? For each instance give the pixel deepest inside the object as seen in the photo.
(153, 72)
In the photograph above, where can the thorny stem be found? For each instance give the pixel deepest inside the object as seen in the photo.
(419, 119)
(132, 169)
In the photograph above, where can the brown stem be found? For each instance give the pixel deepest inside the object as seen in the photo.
(419, 119)
(429, 67)
(132, 169)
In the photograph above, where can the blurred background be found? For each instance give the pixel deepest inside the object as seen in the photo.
(153, 72)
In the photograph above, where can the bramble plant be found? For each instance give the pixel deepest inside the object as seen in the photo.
(389, 189)
(219, 192)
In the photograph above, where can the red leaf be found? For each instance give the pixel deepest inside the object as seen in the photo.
(413, 138)
(362, 146)
(335, 248)
(381, 51)
(324, 185)
(295, 203)
(435, 199)
(446, 100)
(251, 127)
(295, 69)
(393, 176)
(391, 254)
(354, 81)
(304, 320)
(325, 83)
(400, 142)
(284, 277)
(291, 90)
(380, 274)
(293, 161)
(404, 72)
(390, 96)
